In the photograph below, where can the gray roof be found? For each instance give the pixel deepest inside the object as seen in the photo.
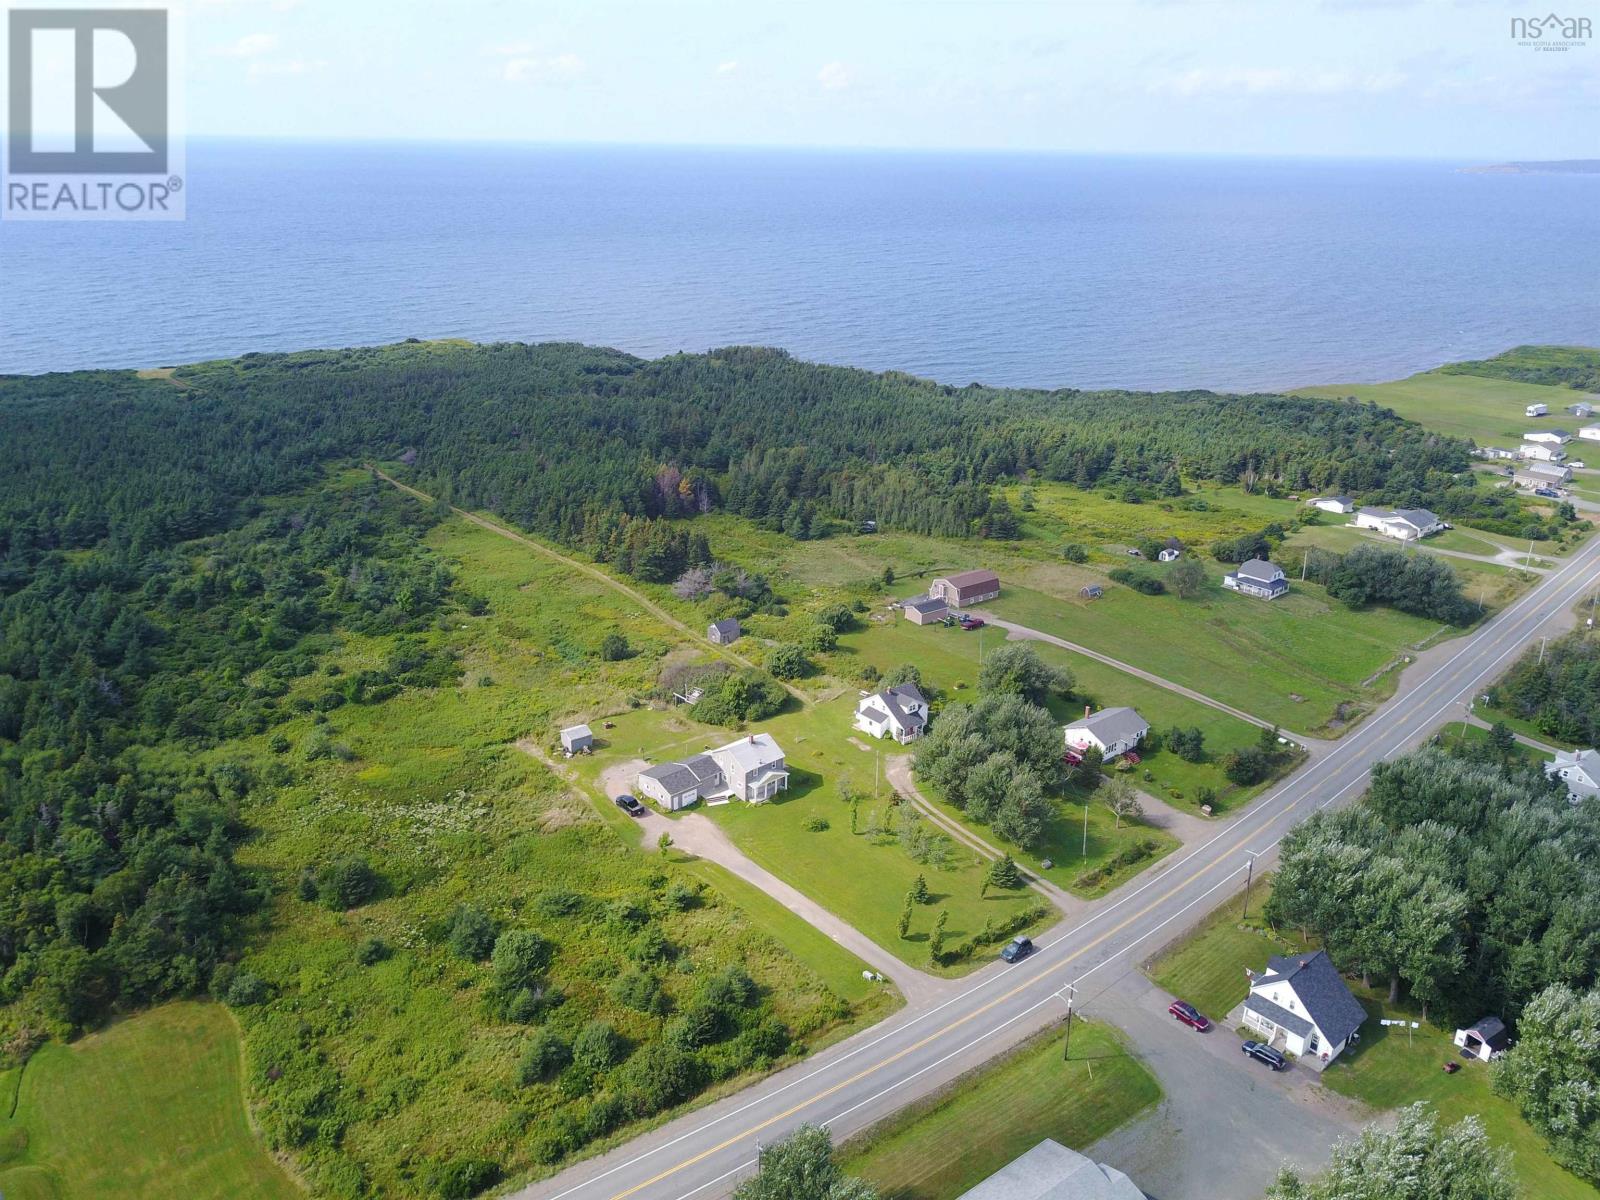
(1420, 517)
(1278, 1015)
(727, 627)
(966, 579)
(1113, 724)
(925, 604)
(1491, 1030)
(895, 699)
(1052, 1172)
(1316, 983)
(1259, 569)
(674, 777)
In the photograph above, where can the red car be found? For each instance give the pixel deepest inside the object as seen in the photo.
(1189, 1015)
(972, 622)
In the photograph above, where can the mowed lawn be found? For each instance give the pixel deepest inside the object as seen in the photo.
(1490, 584)
(1207, 967)
(1389, 1068)
(948, 659)
(1490, 411)
(859, 878)
(1291, 661)
(149, 1107)
(940, 1149)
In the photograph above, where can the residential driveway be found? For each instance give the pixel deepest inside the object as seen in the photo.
(1225, 1123)
(697, 834)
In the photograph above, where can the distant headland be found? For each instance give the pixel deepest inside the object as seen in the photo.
(1560, 166)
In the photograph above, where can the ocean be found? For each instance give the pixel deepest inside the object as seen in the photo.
(1039, 270)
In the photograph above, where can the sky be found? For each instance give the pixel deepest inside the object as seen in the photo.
(1430, 78)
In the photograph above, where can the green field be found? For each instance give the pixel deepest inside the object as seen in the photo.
(1489, 584)
(1291, 661)
(940, 1149)
(1390, 1067)
(151, 1106)
(1207, 967)
(1489, 411)
(855, 876)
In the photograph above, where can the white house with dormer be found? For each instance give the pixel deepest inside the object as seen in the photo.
(1258, 577)
(899, 712)
(1579, 770)
(1302, 1007)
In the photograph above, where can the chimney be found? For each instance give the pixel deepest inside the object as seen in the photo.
(1086, 712)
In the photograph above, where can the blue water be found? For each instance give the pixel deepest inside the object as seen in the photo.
(1007, 269)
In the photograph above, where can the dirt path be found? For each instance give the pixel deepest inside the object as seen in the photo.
(1531, 743)
(698, 835)
(898, 771)
(1023, 633)
(583, 568)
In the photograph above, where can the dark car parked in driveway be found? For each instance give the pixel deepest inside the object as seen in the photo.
(630, 806)
(1017, 949)
(1262, 1052)
(1189, 1015)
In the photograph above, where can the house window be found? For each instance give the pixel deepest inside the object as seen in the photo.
(1313, 1045)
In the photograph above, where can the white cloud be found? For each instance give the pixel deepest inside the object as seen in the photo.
(251, 45)
(727, 68)
(834, 76)
(559, 68)
(1276, 81)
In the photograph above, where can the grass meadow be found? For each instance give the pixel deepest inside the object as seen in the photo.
(1489, 411)
(939, 1149)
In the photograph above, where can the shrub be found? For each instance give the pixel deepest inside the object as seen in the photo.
(545, 1057)
(461, 1178)
(836, 617)
(472, 933)
(614, 647)
(658, 1077)
(1139, 582)
(520, 956)
(371, 951)
(598, 1047)
(641, 991)
(817, 824)
(1075, 552)
(787, 661)
(347, 882)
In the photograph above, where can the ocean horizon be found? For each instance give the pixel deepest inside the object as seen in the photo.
(1018, 269)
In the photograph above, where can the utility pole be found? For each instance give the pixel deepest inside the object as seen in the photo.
(1085, 853)
(1249, 875)
(1305, 561)
(1542, 641)
(1066, 1046)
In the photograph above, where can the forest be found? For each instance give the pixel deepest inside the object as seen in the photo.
(1557, 688)
(1466, 877)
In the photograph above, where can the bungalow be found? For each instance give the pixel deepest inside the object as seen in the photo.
(1402, 524)
(924, 610)
(966, 587)
(1579, 769)
(676, 785)
(1541, 451)
(577, 739)
(751, 768)
(1537, 475)
(1581, 409)
(1052, 1172)
(1483, 1040)
(1112, 731)
(1590, 433)
(723, 632)
(1333, 504)
(900, 712)
(1300, 1005)
(1258, 577)
(1500, 452)
(1555, 436)
(1536, 410)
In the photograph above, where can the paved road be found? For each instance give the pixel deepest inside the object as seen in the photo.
(871, 1075)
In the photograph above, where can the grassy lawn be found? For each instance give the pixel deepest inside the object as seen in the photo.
(949, 661)
(854, 875)
(1487, 410)
(151, 1106)
(940, 1149)
(1207, 967)
(1388, 1068)
(1490, 584)
(1291, 661)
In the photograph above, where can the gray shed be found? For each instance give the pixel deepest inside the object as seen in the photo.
(577, 739)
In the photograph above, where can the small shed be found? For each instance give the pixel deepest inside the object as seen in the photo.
(1483, 1040)
(1169, 554)
(577, 739)
(723, 632)
(1091, 591)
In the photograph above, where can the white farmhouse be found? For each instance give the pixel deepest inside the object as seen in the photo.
(1402, 524)
(1112, 731)
(1579, 770)
(900, 712)
(1301, 1006)
(1258, 577)
(751, 768)
(1541, 451)
(1333, 504)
